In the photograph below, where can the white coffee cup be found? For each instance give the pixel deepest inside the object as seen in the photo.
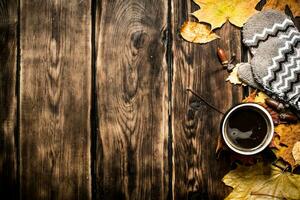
(267, 139)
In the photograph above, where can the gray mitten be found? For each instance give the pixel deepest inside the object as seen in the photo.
(274, 40)
(264, 25)
(245, 74)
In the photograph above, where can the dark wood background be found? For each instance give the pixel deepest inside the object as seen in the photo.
(93, 101)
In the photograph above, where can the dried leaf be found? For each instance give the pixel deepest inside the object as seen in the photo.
(262, 182)
(256, 97)
(261, 97)
(289, 135)
(217, 12)
(296, 152)
(251, 97)
(275, 142)
(294, 6)
(197, 32)
(233, 77)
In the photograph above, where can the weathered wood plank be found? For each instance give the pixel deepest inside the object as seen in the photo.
(197, 172)
(55, 99)
(132, 92)
(8, 99)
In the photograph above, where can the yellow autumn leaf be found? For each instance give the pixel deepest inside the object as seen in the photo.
(197, 32)
(251, 97)
(233, 77)
(294, 6)
(289, 135)
(257, 97)
(262, 182)
(261, 97)
(296, 152)
(217, 12)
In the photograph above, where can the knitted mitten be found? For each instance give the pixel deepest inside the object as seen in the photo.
(275, 43)
(245, 74)
(264, 25)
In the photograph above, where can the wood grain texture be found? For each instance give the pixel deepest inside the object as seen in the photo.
(132, 103)
(55, 99)
(8, 100)
(197, 173)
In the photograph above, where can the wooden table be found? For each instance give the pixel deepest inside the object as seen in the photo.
(93, 101)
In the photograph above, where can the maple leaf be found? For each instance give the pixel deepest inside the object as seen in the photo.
(197, 32)
(262, 182)
(251, 97)
(261, 97)
(294, 6)
(289, 135)
(233, 77)
(217, 12)
(256, 97)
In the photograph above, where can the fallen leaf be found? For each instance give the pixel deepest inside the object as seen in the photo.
(275, 142)
(294, 6)
(217, 12)
(262, 182)
(289, 135)
(233, 77)
(251, 97)
(256, 97)
(197, 32)
(261, 97)
(296, 153)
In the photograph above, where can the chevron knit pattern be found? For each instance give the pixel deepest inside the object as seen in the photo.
(289, 70)
(277, 27)
(295, 91)
(283, 55)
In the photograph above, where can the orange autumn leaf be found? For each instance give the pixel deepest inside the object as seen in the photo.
(289, 135)
(217, 12)
(294, 6)
(250, 98)
(256, 97)
(197, 32)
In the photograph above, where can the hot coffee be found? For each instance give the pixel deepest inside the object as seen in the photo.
(246, 128)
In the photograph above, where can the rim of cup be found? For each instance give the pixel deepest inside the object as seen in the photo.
(269, 135)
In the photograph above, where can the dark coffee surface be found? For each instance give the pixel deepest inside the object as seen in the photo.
(246, 128)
